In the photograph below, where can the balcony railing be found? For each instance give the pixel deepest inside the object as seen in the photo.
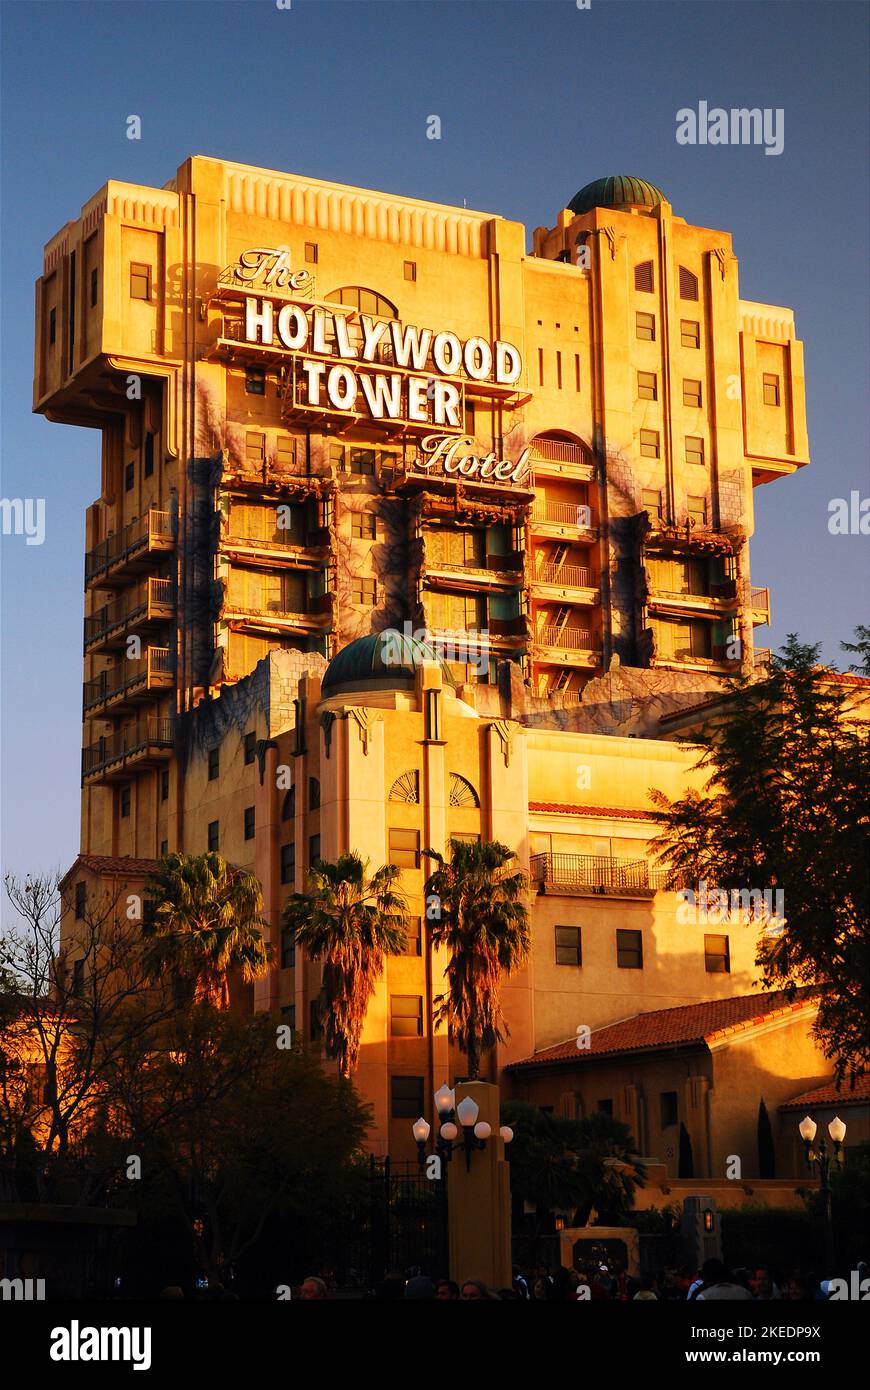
(597, 873)
(153, 669)
(559, 450)
(569, 638)
(151, 531)
(761, 657)
(126, 743)
(567, 576)
(564, 513)
(138, 602)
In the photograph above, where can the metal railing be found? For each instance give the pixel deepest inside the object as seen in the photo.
(108, 685)
(761, 657)
(565, 513)
(134, 738)
(569, 576)
(129, 605)
(155, 526)
(558, 450)
(596, 871)
(571, 638)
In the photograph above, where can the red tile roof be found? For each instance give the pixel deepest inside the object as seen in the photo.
(859, 1094)
(564, 808)
(113, 865)
(691, 1023)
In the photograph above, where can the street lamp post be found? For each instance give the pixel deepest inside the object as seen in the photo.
(475, 1133)
(821, 1158)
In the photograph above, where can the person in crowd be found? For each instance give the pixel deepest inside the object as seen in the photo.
(762, 1285)
(719, 1284)
(646, 1292)
(419, 1287)
(313, 1289)
(447, 1291)
(473, 1289)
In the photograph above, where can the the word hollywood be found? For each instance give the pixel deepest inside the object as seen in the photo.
(76, 1343)
(738, 126)
(715, 904)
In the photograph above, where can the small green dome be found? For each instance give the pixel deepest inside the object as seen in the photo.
(382, 661)
(617, 191)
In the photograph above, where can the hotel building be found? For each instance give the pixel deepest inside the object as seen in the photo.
(407, 531)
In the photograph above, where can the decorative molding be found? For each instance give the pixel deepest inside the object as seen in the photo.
(721, 254)
(462, 793)
(262, 745)
(327, 719)
(365, 718)
(406, 788)
(505, 730)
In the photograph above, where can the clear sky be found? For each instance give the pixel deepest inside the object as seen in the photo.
(536, 99)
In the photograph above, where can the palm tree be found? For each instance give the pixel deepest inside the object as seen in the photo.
(351, 923)
(476, 909)
(202, 921)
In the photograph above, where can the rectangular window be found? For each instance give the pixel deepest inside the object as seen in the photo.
(125, 801)
(694, 449)
(413, 939)
(52, 327)
(405, 848)
(691, 393)
(629, 949)
(313, 849)
(645, 327)
(213, 836)
(148, 468)
(255, 447)
(363, 591)
(164, 848)
(78, 979)
(568, 951)
(406, 1097)
(214, 764)
(288, 1015)
(94, 286)
(649, 444)
(410, 270)
(288, 863)
(669, 1111)
(770, 387)
(559, 371)
(690, 333)
(285, 452)
(652, 502)
(604, 1107)
(311, 252)
(81, 898)
(362, 526)
(255, 381)
(362, 461)
(140, 281)
(164, 786)
(540, 366)
(647, 386)
(717, 956)
(129, 477)
(249, 822)
(250, 747)
(576, 371)
(697, 510)
(406, 1016)
(288, 949)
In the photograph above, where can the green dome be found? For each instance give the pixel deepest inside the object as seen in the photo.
(617, 191)
(382, 661)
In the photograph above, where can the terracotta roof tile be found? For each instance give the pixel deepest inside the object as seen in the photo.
(859, 1094)
(112, 865)
(565, 808)
(691, 1023)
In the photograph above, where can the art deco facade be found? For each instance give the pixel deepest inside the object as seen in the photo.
(328, 413)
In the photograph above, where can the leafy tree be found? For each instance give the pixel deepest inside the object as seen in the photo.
(766, 1150)
(784, 808)
(476, 909)
(861, 648)
(202, 923)
(351, 923)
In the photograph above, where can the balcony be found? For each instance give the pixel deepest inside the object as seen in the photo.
(306, 552)
(563, 521)
(151, 602)
(759, 604)
(761, 658)
(315, 620)
(144, 744)
(111, 563)
(499, 571)
(129, 682)
(574, 581)
(596, 873)
(565, 646)
(560, 458)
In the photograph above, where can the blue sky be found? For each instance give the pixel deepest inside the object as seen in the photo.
(535, 99)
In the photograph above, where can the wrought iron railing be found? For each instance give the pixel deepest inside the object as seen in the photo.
(568, 576)
(567, 638)
(134, 738)
(565, 513)
(108, 685)
(139, 534)
(596, 871)
(128, 606)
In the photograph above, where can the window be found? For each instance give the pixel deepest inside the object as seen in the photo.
(94, 286)
(148, 467)
(285, 451)
(365, 300)
(362, 461)
(652, 502)
(406, 1097)
(81, 898)
(288, 1013)
(540, 366)
(690, 333)
(413, 938)
(213, 836)
(649, 444)
(692, 393)
(645, 327)
(250, 821)
(363, 591)
(255, 447)
(315, 1026)
(410, 270)
(568, 946)
(313, 794)
(669, 1112)
(313, 849)
(688, 284)
(604, 1107)
(52, 327)
(288, 949)
(288, 805)
(78, 979)
(125, 801)
(255, 381)
(405, 848)
(250, 747)
(697, 510)
(288, 863)
(140, 281)
(214, 764)
(129, 477)
(717, 956)
(311, 252)
(164, 848)
(643, 277)
(164, 786)
(362, 526)
(694, 449)
(646, 386)
(406, 1016)
(629, 949)
(770, 388)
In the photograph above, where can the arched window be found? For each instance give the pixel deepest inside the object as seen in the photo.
(462, 793)
(406, 788)
(367, 301)
(643, 277)
(313, 794)
(288, 805)
(688, 284)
